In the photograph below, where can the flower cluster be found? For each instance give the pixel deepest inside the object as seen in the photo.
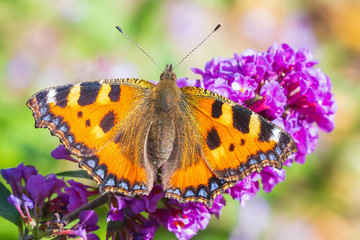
(280, 84)
(38, 198)
(183, 219)
(283, 86)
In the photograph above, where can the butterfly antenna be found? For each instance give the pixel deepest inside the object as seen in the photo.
(120, 30)
(215, 29)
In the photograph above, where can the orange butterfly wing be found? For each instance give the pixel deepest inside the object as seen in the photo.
(94, 120)
(232, 142)
(193, 181)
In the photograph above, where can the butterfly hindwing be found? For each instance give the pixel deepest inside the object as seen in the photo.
(194, 182)
(186, 176)
(235, 140)
(94, 120)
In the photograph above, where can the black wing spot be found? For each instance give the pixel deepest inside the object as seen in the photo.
(87, 122)
(216, 109)
(108, 122)
(114, 93)
(265, 131)
(231, 147)
(213, 139)
(80, 114)
(61, 97)
(42, 96)
(88, 93)
(284, 140)
(241, 118)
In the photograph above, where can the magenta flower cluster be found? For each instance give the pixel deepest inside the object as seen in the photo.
(280, 84)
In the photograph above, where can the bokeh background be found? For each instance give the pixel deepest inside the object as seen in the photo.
(47, 43)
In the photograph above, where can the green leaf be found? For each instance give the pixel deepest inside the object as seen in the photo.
(7, 210)
(77, 173)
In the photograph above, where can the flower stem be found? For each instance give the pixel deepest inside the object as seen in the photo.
(21, 234)
(97, 202)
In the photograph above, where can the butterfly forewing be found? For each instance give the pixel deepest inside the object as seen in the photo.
(92, 119)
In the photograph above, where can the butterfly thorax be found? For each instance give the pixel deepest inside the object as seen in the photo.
(166, 93)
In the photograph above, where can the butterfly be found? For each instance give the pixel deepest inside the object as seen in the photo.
(129, 133)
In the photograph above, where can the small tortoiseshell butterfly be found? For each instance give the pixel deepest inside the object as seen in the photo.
(128, 133)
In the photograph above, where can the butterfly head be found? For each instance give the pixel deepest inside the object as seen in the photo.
(168, 73)
(167, 93)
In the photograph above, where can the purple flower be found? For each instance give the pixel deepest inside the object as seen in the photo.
(135, 226)
(37, 188)
(15, 176)
(185, 220)
(184, 82)
(162, 215)
(42, 188)
(304, 134)
(16, 202)
(115, 213)
(245, 189)
(88, 220)
(44, 196)
(78, 194)
(87, 223)
(270, 177)
(274, 99)
(151, 201)
(143, 228)
(183, 227)
(309, 94)
(26, 203)
(128, 212)
(137, 205)
(61, 153)
(189, 219)
(218, 204)
(32, 187)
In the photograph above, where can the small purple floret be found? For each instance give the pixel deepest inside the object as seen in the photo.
(16, 202)
(245, 189)
(15, 176)
(61, 153)
(270, 177)
(78, 194)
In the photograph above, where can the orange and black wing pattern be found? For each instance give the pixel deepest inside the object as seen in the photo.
(232, 142)
(94, 120)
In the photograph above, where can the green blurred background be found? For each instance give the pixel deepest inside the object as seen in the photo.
(47, 43)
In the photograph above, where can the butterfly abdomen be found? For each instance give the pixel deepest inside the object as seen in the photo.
(160, 141)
